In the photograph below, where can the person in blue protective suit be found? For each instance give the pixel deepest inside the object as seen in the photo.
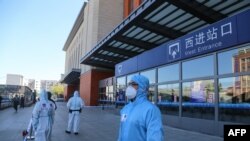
(75, 105)
(140, 119)
(43, 118)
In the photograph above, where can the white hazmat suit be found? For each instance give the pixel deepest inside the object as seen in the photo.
(75, 104)
(43, 118)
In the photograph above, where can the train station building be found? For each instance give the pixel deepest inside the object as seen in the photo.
(196, 55)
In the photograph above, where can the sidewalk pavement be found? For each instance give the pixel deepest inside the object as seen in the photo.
(96, 125)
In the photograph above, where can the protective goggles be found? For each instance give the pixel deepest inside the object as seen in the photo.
(132, 83)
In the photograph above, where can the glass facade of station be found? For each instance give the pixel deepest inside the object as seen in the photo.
(201, 86)
(203, 76)
(197, 64)
(106, 92)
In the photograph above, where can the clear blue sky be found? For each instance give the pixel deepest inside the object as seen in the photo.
(32, 35)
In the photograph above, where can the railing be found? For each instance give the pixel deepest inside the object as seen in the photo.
(206, 105)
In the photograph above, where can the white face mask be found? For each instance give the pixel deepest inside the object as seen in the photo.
(130, 92)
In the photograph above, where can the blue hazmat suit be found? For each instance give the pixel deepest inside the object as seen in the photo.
(43, 118)
(140, 119)
(75, 104)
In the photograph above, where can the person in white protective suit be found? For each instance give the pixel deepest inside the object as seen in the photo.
(43, 118)
(75, 105)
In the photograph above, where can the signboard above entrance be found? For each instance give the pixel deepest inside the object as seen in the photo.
(226, 33)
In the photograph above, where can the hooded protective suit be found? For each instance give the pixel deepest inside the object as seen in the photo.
(43, 118)
(140, 119)
(74, 105)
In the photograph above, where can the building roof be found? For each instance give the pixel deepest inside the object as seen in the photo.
(156, 22)
(75, 28)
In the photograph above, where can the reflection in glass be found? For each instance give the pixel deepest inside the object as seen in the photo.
(168, 98)
(200, 67)
(168, 73)
(234, 98)
(151, 93)
(150, 75)
(111, 89)
(110, 93)
(237, 60)
(106, 92)
(120, 91)
(198, 99)
(102, 94)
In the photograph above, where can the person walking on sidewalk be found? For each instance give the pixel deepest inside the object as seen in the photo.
(15, 102)
(140, 119)
(43, 118)
(50, 99)
(75, 105)
(22, 102)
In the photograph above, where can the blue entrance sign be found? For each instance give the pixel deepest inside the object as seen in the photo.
(174, 50)
(214, 37)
